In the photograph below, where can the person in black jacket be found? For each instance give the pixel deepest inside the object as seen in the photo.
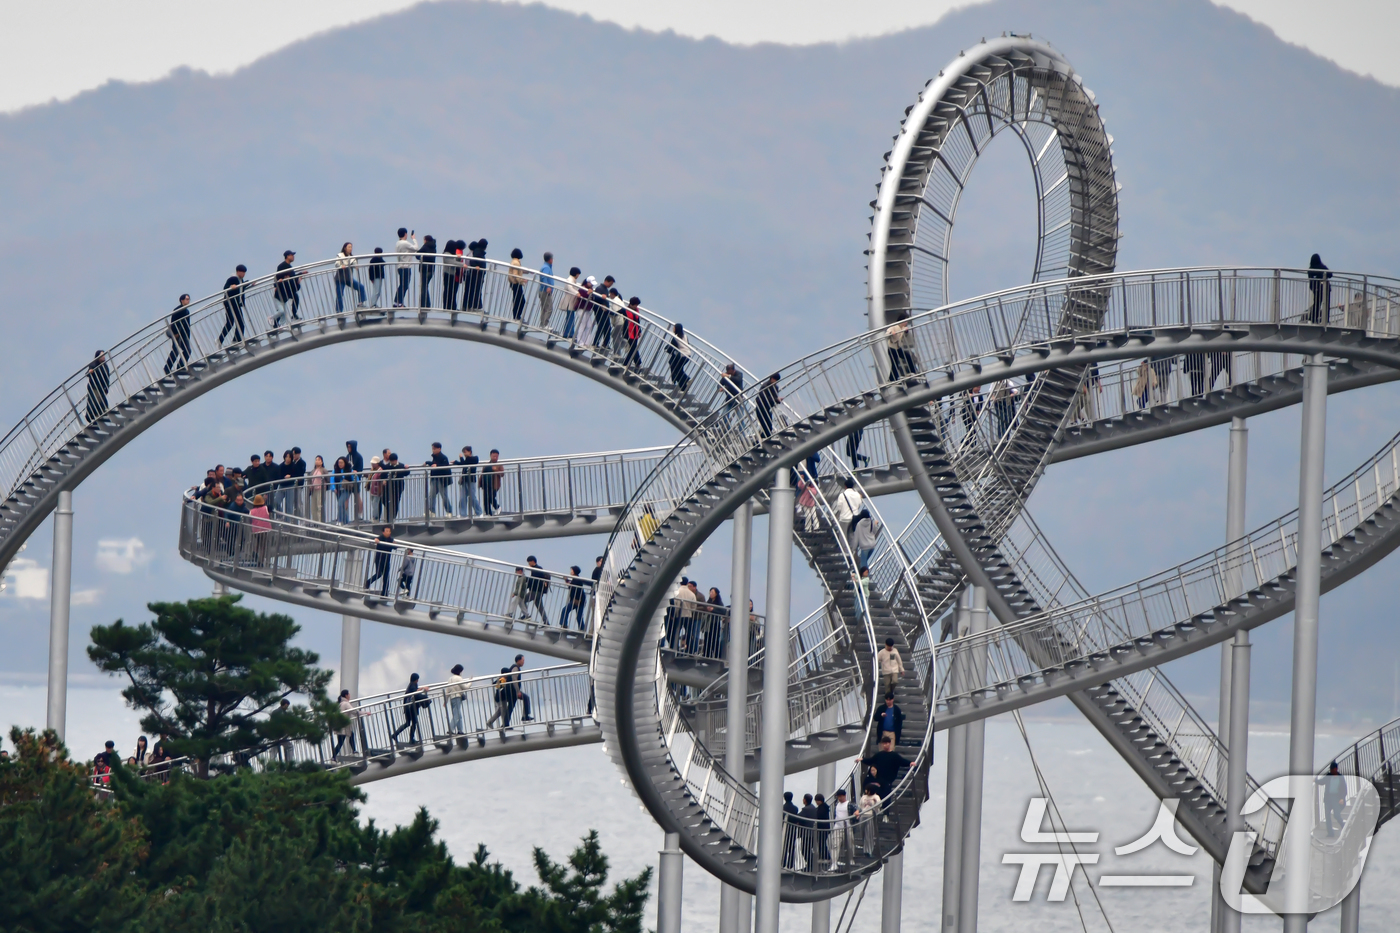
(886, 765)
(577, 599)
(536, 587)
(807, 828)
(768, 399)
(427, 259)
(179, 331)
(383, 556)
(286, 283)
(413, 699)
(233, 305)
(376, 277)
(467, 502)
(298, 478)
(890, 720)
(99, 380)
(1321, 288)
(439, 480)
(394, 475)
(823, 845)
(790, 817)
(476, 277)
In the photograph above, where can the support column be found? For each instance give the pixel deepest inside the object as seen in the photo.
(1233, 720)
(954, 794)
(775, 712)
(60, 593)
(350, 655)
(826, 786)
(1351, 911)
(969, 873)
(1236, 790)
(891, 891)
(732, 901)
(1303, 724)
(668, 886)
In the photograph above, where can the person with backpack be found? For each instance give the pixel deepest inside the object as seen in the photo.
(414, 698)
(504, 695)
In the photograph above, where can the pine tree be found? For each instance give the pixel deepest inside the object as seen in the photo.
(211, 675)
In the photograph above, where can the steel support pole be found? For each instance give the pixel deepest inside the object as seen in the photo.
(60, 594)
(1235, 789)
(1303, 720)
(954, 794)
(1235, 487)
(350, 655)
(826, 786)
(775, 712)
(731, 900)
(969, 873)
(668, 886)
(891, 893)
(1351, 911)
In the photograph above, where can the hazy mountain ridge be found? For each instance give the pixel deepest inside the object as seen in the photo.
(726, 186)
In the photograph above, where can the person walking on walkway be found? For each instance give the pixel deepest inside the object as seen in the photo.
(179, 331)
(679, 352)
(848, 504)
(491, 482)
(890, 720)
(467, 502)
(520, 694)
(632, 332)
(317, 481)
(383, 555)
(99, 381)
(456, 690)
(413, 700)
(233, 305)
(807, 828)
(427, 260)
(345, 278)
(451, 273)
(790, 827)
(516, 277)
(347, 731)
(342, 481)
(768, 399)
(1321, 287)
(439, 480)
(602, 314)
(891, 666)
(842, 839)
(865, 534)
(476, 277)
(355, 461)
(546, 290)
(407, 569)
(576, 599)
(403, 264)
(504, 695)
(376, 277)
(395, 474)
(298, 476)
(1334, 798)
(286, 282)
(570, 290)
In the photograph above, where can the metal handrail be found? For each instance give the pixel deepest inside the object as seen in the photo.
(137, 363)
(345, 559)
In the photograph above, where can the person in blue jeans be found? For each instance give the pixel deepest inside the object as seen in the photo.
(467, 502)
(576, 599)
(345, 278)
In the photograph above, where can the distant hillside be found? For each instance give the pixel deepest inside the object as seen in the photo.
(726, 186)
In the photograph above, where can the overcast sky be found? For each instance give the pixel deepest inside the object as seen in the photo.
(62, 47)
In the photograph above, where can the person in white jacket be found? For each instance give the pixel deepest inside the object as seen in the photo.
(455, 690)
(405, 260)
(847, 505)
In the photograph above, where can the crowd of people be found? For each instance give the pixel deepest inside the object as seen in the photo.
(154, 761)
(594, 313)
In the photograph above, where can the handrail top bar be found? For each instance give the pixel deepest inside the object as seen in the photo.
(474, 680)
